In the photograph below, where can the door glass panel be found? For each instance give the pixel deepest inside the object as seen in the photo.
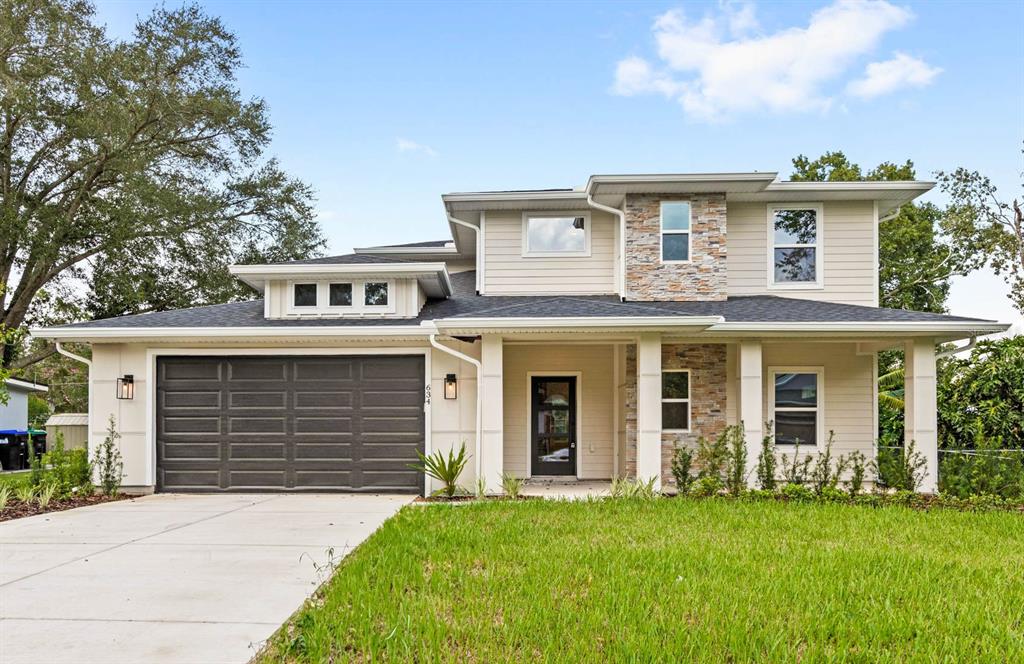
(553, 422)
(554, 449)
(554, 393)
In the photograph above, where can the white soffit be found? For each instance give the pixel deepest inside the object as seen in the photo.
(432, 277)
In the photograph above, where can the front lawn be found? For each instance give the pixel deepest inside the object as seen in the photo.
(672, 579)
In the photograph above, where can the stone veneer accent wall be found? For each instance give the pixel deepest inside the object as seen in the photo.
(706, 363)
(703, 278)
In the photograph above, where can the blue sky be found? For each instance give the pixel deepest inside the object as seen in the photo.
(384, 106)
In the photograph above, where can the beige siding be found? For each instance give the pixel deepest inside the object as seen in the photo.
(407, 296)
(848, 234)
(508, 272)
(595, 449)
(849, 389)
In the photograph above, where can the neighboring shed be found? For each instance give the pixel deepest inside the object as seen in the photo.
(14, 414)
(74, 427)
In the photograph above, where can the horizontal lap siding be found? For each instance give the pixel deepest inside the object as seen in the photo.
(849, 257)
(507, 272)
(596, 363)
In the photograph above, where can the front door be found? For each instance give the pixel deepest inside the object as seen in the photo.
(553, 431)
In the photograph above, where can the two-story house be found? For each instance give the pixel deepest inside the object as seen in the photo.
(578, 332)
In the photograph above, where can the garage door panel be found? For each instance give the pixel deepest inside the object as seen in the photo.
(289, 423)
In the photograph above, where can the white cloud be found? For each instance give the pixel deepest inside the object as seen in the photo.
(902, 71)
(720, 64)
(405, 145)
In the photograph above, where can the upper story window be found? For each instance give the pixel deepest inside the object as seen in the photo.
(340, 295)
(796, 405)
(375, 293)
(795, 246)
(675, 231)
(556, 235)
(304, 295)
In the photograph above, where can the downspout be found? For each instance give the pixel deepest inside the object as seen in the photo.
(476, 232)
(954, 351)
(69, 354)
(479, 392)
(622, 240)
(88, 398)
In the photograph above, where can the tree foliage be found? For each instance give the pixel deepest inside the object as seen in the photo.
(132, 172)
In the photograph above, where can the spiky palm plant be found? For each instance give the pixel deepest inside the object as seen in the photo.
(443, 469)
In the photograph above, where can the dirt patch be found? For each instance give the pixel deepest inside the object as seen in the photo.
(17, 509)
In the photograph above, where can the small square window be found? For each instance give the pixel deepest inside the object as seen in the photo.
(375, 293)
(305, 295)
(341, 295)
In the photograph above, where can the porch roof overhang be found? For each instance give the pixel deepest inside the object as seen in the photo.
(576, 324)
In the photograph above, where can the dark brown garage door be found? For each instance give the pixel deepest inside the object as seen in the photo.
(289, 423)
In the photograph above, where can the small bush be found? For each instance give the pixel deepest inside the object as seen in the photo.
(795, 470)
(858, 471)
(798, 492)
(903, 469)
(682, 465)
(511, 485)
(986, 470)
(46, 494)
(445, 470)
(736, 459)
(625, 487)
(767, 464)
(826, 474)
(5, 497)
(70, 470)
(25, 493)
(706, 486)
(109, 465)
(712, 457)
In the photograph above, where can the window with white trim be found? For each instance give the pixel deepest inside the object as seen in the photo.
(304, 295)
(675, 231)
(556, 235)
(675, 399)
(795, 251)
(340, 295)
(796, 406)
(375, 294)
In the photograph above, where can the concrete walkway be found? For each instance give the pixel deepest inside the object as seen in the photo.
(170, 578)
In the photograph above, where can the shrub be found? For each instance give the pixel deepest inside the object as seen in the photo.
(511, 485)
(795, 470)
(826, 475)
(70, 471)
(793, 491)
(25, 493)
(625, 487)
(858, 471)
(706, 486)
(903, 469)
(767, 464)
(985, 470)
(736, 459)
(711, 457)
(445, 470)
(5, 497)
(109, 465)
(46, 494)
(682, 464)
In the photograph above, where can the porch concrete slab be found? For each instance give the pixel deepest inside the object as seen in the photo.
(169, 578)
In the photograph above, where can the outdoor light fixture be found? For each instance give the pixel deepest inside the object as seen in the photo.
(451, 387)
(126, 387)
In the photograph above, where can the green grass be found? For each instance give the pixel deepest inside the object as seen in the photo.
(673, 579)
(14, 480)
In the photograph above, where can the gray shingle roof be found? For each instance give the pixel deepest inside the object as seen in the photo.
(464, 303)
(413, 245)
(345, 259)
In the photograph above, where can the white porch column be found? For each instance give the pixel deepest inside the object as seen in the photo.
(492, 426)
(920, 420)
(648, 408)
(751, 396)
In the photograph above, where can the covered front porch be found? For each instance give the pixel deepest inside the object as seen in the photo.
(589, 408)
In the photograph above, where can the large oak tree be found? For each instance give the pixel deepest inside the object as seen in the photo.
(132, 172)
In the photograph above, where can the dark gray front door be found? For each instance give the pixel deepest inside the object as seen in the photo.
(311, 423)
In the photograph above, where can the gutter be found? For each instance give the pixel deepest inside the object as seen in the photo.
(479, 249)
(953, 351)
(68, 354)
(622, 240)
(479, 393)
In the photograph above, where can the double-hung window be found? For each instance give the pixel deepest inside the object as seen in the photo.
(796, 406)
(795, 246)
(675, 231)
(675, 399)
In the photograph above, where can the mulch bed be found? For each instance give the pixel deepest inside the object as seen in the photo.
(16, 509)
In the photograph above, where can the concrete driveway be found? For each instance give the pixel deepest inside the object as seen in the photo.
(170, 578)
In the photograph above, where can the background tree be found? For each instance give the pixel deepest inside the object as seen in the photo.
(132, 172)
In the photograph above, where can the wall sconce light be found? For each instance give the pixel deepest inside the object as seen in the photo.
(126, 387)
(451, 387)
